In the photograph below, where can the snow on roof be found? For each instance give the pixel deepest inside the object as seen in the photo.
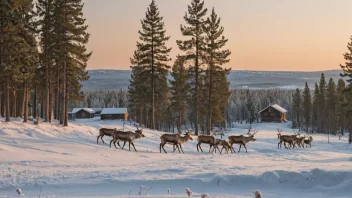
(277, 107)
(114, 111)
(75, 110)
(97, 109)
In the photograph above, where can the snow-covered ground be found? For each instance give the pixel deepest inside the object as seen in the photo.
(67, 162)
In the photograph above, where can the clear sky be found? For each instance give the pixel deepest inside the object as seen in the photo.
(293, 35)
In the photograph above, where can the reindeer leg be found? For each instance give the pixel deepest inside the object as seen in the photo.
(210, 148)
(162, 145)
(111, 142)
(245, 148)
(129, 146)
(200, 147)
(133, 146)
(101, 137)
(181, 148)
(222, 149)
(124, 143)
(115, 144)
(118, 143)
(219, 149)
(98, 138)
(239, 148)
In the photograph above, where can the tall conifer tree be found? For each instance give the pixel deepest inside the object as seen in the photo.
(179, 90)
(154, 57)
(215, 56)
(307, 107)
(194, 47)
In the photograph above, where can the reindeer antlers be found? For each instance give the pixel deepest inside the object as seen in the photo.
(279, 131)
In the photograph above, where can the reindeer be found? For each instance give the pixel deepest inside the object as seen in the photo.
(225, 145)
(104, 132)
(299, 141)
(290, 139)
(127, 136)
(206, 139)
(241, 140)
(308, 142)
(175, 139)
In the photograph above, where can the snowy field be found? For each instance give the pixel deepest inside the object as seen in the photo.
(67, 162)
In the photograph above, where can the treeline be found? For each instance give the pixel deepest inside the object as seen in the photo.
(103, 99)
(199, 79)
(324, 110)
(42, 57)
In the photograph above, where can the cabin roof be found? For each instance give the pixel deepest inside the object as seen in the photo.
(113, 111)
(89, 110)
(275, 106)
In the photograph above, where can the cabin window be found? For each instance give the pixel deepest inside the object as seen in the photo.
(270, 110)
(272, 114)
(265, 114)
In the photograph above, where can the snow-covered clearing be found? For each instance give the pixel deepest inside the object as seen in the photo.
(67, 162)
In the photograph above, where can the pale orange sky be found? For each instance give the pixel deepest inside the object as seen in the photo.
(285, 35)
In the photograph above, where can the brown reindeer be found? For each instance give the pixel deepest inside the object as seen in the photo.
(127, 136)
(241, 140)
(206, 139)
(308, 142)
(225, 145)
(104, 132)
(290, 139)
(299, 141)
(175, 139)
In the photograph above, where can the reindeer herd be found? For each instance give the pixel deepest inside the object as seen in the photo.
(178, 139)
(294, 139)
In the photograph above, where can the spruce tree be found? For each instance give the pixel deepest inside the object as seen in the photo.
(315, 107)
(330, 107)
(194, 47)
(136, 90)
(321, 109)
(347, 72)
(307, 107)
(179, 90)
(45, 24)
(71, 38)
(215, 56)
(340, 106)
(296, 106)
(154, 55)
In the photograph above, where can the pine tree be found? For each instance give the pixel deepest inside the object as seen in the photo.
(154, 55)
(251, 108)
(215, 57)
(70, 38)
(321, 102)
(179, 90)
(296, 106)
(347, 72)
(340, 103)
(330, 107)
(45, 23)
(194, 47)
(315, 107)
(307, 107)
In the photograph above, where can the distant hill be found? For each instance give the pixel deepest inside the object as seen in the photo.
(116, 79)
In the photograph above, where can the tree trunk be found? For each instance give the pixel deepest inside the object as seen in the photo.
(35, 101)
(47, 92)
(42, 104)
(14, 106)
(7, 99)
(196, 87)
(50, 102)
(25, 116)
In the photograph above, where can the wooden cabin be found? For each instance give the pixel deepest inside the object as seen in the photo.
(83, 113)
(114, 114)
(273, 113)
